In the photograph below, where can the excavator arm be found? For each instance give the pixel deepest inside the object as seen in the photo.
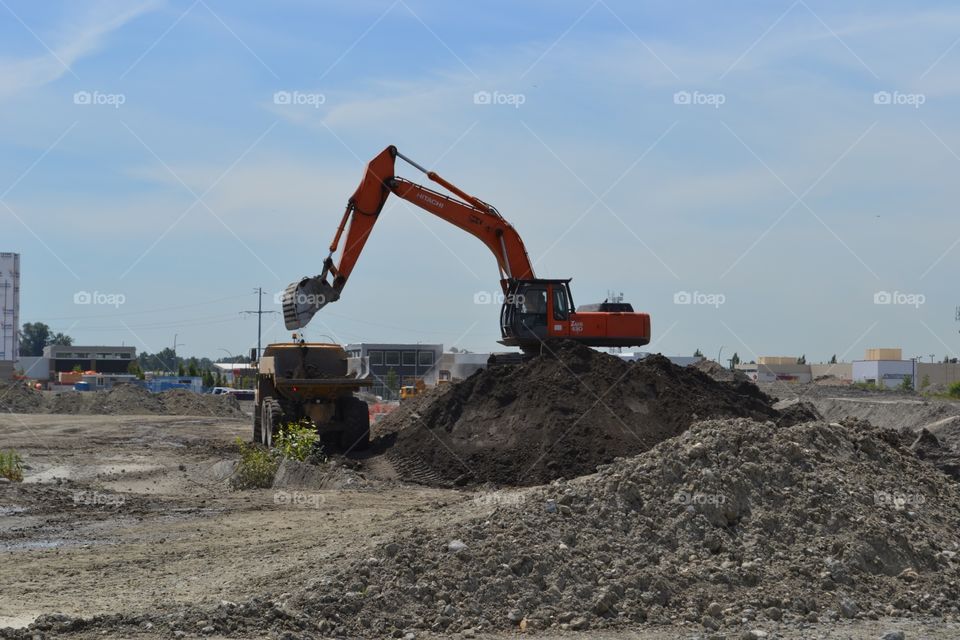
(303, 299)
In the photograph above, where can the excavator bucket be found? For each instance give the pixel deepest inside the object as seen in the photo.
(301, 300)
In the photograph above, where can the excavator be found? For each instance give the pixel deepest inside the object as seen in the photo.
(534, 309)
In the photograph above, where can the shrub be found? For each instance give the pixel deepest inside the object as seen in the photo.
(11, 466)
(954, 390)
(296, 440)
(255, 469)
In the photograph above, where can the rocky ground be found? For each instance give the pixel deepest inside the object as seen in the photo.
(770, 521)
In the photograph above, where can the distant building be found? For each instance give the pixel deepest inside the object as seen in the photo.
(408, 362)
(885, 367)
(458, 366)
(94, 358)
(9, 312)
(231, 372)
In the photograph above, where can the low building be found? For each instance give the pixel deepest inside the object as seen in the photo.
(777, 369)
(405, 363)
(93, 358)
(885, 367)
(842, 371)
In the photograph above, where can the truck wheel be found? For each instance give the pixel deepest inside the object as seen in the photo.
(272, 420)
(257, 422)
(356, 425)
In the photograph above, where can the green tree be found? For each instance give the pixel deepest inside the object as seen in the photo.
(192, 368)
(698, 353)
(924, 381)
(833, 360)
(906, 384)
(36, 335)
(392, 383)
(734, 360)
(208, 380)
(802, 359)
(134, 368)
(180, 370)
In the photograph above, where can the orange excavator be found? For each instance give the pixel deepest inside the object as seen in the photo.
(534, 309)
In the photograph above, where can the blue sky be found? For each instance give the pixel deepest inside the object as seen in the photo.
(784, 161)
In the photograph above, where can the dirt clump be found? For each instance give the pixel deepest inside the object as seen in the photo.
(558, 415)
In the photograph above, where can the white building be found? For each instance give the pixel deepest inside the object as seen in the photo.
(9, 307)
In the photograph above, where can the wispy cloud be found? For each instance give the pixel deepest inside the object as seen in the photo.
(69, 44)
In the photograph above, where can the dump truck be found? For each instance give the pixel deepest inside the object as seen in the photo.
(300, 380)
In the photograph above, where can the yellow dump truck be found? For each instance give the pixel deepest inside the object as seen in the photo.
(310, 380)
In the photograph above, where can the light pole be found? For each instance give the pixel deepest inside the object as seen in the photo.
(718, 354)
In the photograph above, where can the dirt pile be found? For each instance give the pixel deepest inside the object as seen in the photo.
(557, 415)
(719, 372)
(16, 397)
(733, 525)
(123, 399)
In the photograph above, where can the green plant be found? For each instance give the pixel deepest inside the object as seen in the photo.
(295, 440)
(906, 384)
(954, 390)
(11, 466)
(255, 469)
(924, 381)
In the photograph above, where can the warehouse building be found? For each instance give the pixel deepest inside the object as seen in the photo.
(885, 367)
(407, 362)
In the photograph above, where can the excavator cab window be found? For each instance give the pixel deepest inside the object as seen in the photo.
(561, 308)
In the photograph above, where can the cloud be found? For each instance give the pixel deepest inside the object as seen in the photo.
(75, 43)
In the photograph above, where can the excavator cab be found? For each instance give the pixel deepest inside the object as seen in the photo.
(535, 310)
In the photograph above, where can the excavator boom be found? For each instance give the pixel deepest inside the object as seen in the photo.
(526, 320)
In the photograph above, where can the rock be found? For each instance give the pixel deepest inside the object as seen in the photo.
(515, 616)
(715, 610)
(849, 608)
(893, 635)
(579, 624)
(774, 613)
(710, 623)
(456, 546)
(754, 634)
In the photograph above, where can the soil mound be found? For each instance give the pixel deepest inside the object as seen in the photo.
(719, 372)
(558, 415)
(17, 397)
(731, 525)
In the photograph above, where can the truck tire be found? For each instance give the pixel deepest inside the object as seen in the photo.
(355, 415)
(271, 421)
(257, 422)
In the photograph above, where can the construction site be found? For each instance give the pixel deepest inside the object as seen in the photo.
(396, 447)
(557, 489)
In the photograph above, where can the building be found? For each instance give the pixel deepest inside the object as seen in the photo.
(9, 312)
(777, 369)
(885, 367)
(233, 372)
(407, 362)
(94, 358)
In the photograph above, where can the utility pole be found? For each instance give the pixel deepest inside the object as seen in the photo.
(259, 312)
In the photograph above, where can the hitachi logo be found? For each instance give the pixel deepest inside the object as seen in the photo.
(433, 201)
